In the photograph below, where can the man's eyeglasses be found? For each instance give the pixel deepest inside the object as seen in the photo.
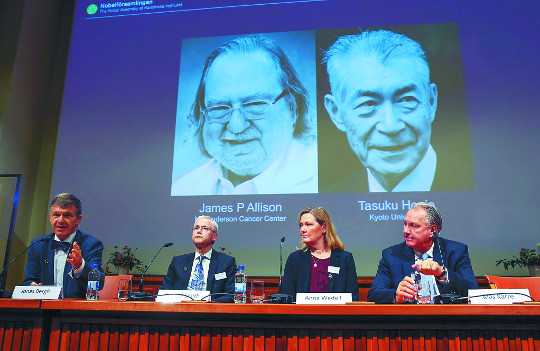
(202, 229)
(251, 110)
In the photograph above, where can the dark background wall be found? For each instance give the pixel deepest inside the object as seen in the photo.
(32, 59)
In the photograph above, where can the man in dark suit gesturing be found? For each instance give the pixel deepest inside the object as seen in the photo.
(448, 267)
(206, 269)
(66, 256)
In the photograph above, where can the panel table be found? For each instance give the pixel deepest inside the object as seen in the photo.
(114, 325)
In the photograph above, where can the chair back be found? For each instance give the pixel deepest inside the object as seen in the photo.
(110, 287)
(531, 283)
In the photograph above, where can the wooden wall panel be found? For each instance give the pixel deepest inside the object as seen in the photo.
(258, 335)
(123, 341)
(226, 338)
(249, 339)
(85, 337)
(2, 332)
(27, 336)
(270, 340)
(94, 337)
(206, 339)
(326, 339)
(69, 339)
(17, 335)
(20, 333)
(104, 337)
(144, 338)
(175, 339)
(8, 335)
(164, 338)
(114, 335)
(111, 334)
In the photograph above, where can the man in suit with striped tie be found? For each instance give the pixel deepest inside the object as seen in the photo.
(443, 263)
(205, 269)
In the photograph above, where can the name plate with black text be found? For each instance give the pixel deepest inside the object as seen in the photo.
(39, 292)
(498, 296)
(182, 295)
(323, 298)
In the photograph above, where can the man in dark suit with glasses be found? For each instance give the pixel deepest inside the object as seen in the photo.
(205, 269)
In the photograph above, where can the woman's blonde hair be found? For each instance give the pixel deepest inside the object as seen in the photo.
(322, 216)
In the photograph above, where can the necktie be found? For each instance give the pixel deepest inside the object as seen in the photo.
(64, 246)
(198, 276)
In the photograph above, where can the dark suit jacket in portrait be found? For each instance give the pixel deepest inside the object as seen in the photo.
(177, 277)
(297, 276)
(40, 265)
(396, 264)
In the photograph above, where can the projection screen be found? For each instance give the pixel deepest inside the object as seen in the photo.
(136, 144)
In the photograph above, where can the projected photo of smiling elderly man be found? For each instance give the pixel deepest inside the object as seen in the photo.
(252, 123)
(382, 98)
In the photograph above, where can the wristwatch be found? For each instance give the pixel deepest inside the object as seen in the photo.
(442, 275)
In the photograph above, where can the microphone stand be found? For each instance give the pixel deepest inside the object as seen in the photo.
(141, 295)
(4, 293)
(280, 262)
(447, 298)
(280, 297)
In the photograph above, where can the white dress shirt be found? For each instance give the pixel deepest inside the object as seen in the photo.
(295, 172)
(420, 179)
(60, 258)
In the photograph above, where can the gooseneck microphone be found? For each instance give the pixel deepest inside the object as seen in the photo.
(440, 250)
(280, 297)
(280, 263)
(2, 282)
(442, 258)
(141, 295)
(447, 297)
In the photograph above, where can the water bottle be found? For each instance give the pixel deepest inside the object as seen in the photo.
(416, 276)
(240, 280)
(93, 283)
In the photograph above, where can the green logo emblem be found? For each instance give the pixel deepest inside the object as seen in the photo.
(91, 9)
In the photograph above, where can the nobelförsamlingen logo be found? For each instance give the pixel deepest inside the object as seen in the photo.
(91, 9)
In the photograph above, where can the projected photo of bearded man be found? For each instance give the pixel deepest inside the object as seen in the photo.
(382, 98)
(250, 110)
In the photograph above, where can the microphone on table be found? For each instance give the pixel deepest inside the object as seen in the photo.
(141, 295)
(280, 297)
(4, 293)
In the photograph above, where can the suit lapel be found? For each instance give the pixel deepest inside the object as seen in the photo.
(214, 260)
(437, 253)
(407, 260)
(335, 259)
(304, 279)
(48, 264)
(67, 267)
(185, 269)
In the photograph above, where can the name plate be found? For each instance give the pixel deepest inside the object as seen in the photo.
(182, 295)
(40, 292)
(498, 296)
(323, 298)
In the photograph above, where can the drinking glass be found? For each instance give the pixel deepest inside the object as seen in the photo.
(257, 291)
(124, 289)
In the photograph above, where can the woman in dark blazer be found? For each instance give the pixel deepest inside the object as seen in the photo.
(321, 264)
